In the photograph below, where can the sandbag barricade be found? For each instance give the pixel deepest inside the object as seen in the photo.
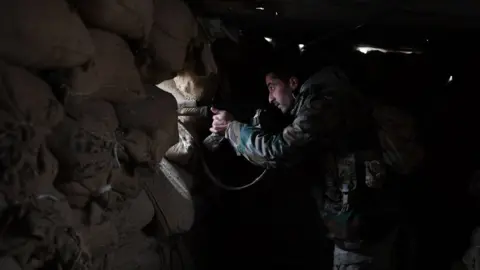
(28, 112)
(111, 75)
(43, 34)
(150, 125)
(130, 18)
(77, 121)
(170, 39)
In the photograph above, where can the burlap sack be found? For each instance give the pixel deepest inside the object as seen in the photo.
(131, 18)
(171, 198)
(97, 115)
(86, 158)
(182, 152)
(135, 215)
(38, 235)
(156, 116)
(127, 186)
(8, 263)
(43, 34)
(138, 146)
(28, 111)
(28, 97)
(173, 29)
(112, 75)
(137, 252)
(175, 18)
(201, 88)
(101, 238)
(190, 90)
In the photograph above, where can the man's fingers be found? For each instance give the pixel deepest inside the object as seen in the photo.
(218, 128)
(219, 125)
(218, 117)
(214, 110)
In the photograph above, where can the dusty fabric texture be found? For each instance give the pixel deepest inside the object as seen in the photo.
(137, 252)
(201, 88)
(134, 216)
(138, 145)
(173, 29)
(398, 137)
(182, 152)
(156, 116)
(28, 111)
(97, 115)
(8, 263)
(43, 34)
(86, 156)
(100, 238)
(183, 99)
(175, 18)
(187, 92)
(112, 75)
(131, 18)
(171, 198)
(129, 187)
(38, 234)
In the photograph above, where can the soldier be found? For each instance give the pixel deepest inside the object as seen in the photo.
(331, 143)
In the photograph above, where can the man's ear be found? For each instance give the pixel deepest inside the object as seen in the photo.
(293, 82)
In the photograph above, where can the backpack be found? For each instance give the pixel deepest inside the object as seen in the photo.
(398, 138)
(349, 201)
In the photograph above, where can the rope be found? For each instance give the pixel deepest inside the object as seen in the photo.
(209, 173)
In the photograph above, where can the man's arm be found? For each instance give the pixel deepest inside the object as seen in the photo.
(315, 123)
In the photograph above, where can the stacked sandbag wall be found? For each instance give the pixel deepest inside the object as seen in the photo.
(80, 116)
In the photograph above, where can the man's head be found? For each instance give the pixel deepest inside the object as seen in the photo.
(282, 82)
(280, 91)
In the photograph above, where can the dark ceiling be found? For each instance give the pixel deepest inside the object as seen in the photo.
(307, 20)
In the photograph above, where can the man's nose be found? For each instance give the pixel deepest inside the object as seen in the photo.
(270, 98)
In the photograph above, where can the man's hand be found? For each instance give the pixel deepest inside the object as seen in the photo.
(221, 119)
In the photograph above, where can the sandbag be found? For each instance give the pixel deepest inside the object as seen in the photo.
(171, 197)
(173, 29)
(183, 99)
(156, 116)
(98, 115)
(189, 90)
(135, 215)
(201, 88)
(112, 75)
(86, 157)
(43, 34)
(175, 18)
(137, 252)
(131, 18)
(28, 97)
(139, 146)
(28, 111)
(8, 263)
(100, 238)
(182, 152)
(39, 235)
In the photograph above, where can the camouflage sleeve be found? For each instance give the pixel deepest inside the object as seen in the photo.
(314, 123)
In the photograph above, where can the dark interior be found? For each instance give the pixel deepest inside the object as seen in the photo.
(435, 82)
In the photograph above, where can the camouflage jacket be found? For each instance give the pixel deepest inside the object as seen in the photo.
(319, 125)
(327, 136)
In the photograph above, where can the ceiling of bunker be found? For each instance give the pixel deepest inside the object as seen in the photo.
(307, 20)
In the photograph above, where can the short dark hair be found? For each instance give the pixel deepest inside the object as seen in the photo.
(284, 67)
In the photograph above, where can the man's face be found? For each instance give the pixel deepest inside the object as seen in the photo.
(281, 93)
